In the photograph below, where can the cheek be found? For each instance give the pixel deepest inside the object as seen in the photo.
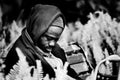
(44, 41)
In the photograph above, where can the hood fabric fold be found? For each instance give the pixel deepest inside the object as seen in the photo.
(41, 17)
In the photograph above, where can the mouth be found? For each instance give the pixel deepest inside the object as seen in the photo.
(49, 49)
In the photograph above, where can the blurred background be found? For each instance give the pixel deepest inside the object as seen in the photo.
(72, 9)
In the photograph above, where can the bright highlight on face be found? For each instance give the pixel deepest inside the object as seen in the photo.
(49, 39)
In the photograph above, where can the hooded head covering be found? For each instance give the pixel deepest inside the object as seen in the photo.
(41, 17)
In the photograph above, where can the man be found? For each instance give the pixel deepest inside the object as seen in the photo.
(38, 40)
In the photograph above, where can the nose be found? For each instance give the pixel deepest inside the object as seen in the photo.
(52, 43)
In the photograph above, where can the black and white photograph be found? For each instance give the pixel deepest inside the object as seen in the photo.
(59, 39)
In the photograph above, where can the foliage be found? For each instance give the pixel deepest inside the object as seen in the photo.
(99, 38)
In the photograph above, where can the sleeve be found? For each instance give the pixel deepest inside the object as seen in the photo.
(11, 59)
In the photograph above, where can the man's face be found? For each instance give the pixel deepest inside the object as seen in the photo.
(49, 39)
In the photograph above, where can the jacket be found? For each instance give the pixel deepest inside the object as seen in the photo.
(41, 17)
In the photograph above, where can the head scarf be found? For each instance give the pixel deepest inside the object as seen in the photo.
(41, 17)
(58, 22)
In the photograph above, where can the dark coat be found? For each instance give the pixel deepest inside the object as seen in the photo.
(12, 58)
(39, 21)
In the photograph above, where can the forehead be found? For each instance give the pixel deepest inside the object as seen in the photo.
(55, 31)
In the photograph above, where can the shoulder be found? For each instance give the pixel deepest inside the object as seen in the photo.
(58, 48)
(59, 52)
(11, 58)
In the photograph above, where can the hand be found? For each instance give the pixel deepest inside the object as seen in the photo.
(61, 72)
